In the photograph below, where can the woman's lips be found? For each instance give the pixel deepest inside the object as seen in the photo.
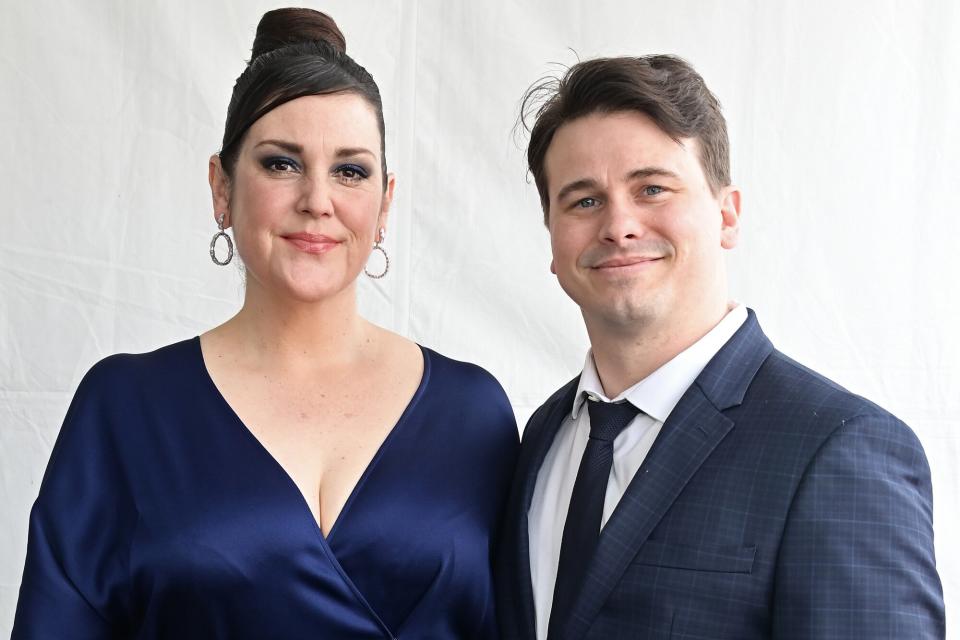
(311, 242)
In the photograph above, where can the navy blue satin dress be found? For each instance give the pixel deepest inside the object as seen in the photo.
(161, 516)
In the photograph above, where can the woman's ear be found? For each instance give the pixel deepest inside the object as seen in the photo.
(219, 190)
(386, 202)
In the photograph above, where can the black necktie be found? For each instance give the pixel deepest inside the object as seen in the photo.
(581, 531)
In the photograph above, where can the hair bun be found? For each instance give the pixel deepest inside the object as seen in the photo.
(281, 27)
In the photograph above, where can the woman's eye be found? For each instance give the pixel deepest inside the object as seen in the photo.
(352, 173)
(280, 165)
(652, 190)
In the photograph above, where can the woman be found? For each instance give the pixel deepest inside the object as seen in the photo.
(296, 472)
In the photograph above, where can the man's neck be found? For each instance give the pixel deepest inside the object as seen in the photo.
(624, 356)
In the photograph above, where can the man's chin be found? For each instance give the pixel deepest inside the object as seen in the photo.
(624, 314)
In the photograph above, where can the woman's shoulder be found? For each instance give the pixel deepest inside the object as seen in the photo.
(120, 366)
(122, 392)
(125, 369)
(461, 373)
(467, 385)
(442, 372)
(471, 398)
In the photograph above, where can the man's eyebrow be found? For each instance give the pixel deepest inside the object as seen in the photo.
(647, 172)
(636, 174)
(576, 185)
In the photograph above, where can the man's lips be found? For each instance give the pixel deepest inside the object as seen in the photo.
(311, 242)
(624, 261)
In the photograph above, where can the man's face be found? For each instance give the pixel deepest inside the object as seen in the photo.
(637, 234)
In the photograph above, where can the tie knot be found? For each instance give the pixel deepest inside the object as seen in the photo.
(608, 419)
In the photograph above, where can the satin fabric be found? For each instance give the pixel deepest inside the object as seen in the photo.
(161, 516)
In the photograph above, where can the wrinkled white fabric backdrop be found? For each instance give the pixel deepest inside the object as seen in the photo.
(843, 121)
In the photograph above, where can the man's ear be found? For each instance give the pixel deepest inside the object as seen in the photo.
(729, 217)
(219, 190)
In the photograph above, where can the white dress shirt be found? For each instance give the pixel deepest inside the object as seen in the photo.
(655, 396)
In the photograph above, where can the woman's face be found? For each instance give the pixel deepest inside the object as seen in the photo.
(306, 199)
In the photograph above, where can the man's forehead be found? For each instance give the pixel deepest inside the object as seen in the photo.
(620, 142)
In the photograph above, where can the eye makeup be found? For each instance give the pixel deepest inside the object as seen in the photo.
(279, 164)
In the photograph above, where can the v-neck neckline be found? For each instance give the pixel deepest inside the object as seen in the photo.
(271, 459)
(324, 541)
(381, 451)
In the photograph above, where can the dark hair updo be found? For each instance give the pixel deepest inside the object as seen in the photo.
(296, 53)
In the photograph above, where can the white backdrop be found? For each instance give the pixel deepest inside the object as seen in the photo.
(843, 122)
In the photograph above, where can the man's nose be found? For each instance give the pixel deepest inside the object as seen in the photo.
(622, 221)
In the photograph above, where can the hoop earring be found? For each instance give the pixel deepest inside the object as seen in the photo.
(213, 244)
(386, 258)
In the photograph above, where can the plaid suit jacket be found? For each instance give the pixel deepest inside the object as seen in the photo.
(773, 504)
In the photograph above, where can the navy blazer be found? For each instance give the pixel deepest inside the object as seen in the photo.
(773, 504)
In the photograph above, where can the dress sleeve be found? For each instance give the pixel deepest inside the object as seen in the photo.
(75, 580)
(499, 458)
(857, 558)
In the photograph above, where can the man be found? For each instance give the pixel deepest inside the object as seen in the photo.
(692, 482)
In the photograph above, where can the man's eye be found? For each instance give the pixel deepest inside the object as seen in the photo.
(586, 203)
(652, 190)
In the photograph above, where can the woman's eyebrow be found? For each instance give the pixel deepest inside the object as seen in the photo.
(354, 151)
(292, 147)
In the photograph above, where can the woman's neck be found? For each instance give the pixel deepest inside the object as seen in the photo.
(275, 332)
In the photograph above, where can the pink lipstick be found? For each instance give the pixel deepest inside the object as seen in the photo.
(311, 242)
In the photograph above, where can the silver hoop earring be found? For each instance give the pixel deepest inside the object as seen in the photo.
(386, 258)
(213, 244)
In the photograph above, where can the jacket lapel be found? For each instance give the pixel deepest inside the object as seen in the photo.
(692, 431)
(538, 436)
(682, 446)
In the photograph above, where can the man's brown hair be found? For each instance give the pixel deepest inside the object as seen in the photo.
(663, 87)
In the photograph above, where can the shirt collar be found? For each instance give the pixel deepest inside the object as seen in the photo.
(657, 394)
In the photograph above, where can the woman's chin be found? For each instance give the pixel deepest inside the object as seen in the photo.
(301, 285)
(316, 290)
